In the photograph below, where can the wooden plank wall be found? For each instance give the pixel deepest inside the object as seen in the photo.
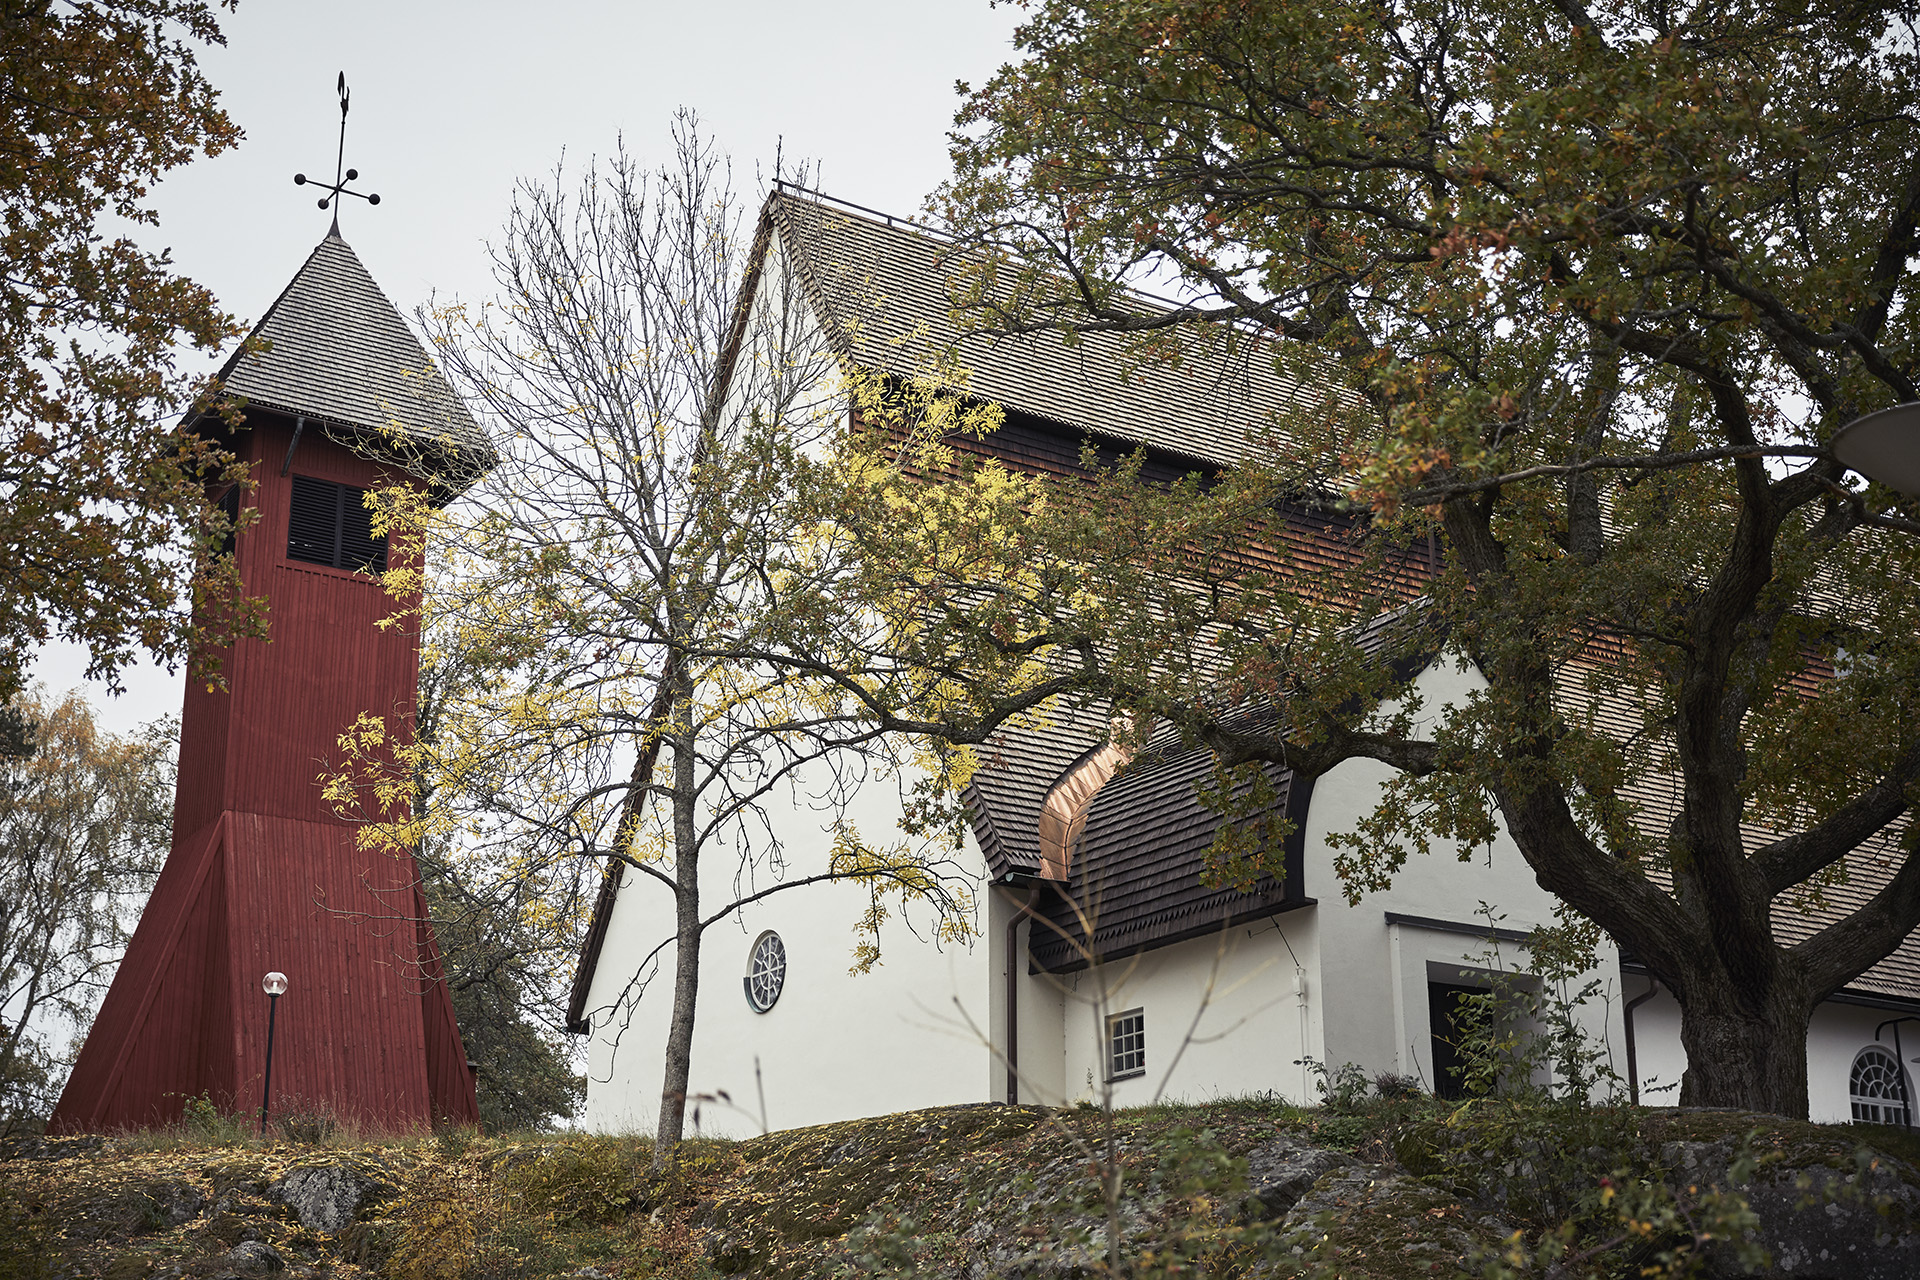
(270, 878)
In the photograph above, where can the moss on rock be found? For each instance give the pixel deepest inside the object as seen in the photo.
(1398, 1191)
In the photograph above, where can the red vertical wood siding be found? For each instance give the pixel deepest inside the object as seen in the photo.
(263, 875)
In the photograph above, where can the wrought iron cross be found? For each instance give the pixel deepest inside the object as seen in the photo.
(340, 180)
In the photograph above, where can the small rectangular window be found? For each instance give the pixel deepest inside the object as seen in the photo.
(1127, 1044)
(329, 524)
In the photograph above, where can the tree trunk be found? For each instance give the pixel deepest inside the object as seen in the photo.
(686, 949)
(686, 989)
(1746, 1053)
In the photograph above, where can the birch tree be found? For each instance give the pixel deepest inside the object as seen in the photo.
(84, 823)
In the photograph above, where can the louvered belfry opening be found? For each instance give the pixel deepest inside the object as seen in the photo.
(329, 524)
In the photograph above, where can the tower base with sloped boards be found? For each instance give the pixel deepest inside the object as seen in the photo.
(365, 1032)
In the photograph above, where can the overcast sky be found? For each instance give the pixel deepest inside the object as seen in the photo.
(454, 102)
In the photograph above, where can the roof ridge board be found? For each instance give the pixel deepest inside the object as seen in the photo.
(895, 222)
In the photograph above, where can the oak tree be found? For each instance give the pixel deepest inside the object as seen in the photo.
(106, 517)
(1588, 289)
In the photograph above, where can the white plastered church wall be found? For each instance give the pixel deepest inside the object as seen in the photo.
(834, 1045)
(1378, 1018)
(1222, 1016)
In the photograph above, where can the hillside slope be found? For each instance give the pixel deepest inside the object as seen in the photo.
(1391, 1190)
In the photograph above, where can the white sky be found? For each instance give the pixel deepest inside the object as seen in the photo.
(453, 102)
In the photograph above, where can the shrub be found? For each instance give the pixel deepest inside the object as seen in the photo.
(204, 1121)
(590, 1180)
(307, 1122)
(1343, 1089)
(24, 1252)
(1391, 1086)
(436, 1226)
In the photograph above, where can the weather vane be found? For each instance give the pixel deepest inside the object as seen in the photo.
(340, 180)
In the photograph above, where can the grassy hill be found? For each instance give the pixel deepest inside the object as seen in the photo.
(1389, 1189)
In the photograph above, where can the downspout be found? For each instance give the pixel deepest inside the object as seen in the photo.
(1013, 996)
(1633, 1059)
(1300, 991)
(1300, 997)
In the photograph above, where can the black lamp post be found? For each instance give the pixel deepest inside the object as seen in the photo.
(275, 985)
(1884, 446)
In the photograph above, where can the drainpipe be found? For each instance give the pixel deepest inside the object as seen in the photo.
(1633, 1059)
(1300, 994)
(1300, 998)
(299, 425)
(1013, 995)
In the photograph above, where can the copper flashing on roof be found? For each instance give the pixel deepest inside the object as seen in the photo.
(1137, 881)
(1063, 815)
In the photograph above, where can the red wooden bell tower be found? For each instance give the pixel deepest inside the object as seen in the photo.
(262, 874)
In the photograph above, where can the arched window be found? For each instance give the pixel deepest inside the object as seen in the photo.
(1878, 1087)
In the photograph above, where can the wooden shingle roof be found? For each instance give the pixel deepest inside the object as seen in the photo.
(1137, 876)
(1018, 767)
(339, 352)
(881, 291)
(1136, 870)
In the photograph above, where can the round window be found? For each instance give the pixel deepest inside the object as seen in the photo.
(766, 971)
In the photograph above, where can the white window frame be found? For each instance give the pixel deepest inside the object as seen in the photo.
(1130, 1062)
(1898, 1111)
(779, 981)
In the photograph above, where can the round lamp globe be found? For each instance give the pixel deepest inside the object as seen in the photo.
(1884, 446)
(274, 984)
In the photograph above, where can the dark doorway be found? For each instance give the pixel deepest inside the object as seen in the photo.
(1447, 1016)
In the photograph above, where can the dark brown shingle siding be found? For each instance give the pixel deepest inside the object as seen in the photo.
(1136, 877)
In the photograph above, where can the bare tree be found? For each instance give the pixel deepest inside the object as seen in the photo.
(84, 820)
(613, 584)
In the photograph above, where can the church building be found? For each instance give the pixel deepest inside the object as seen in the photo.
(1100, 959)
